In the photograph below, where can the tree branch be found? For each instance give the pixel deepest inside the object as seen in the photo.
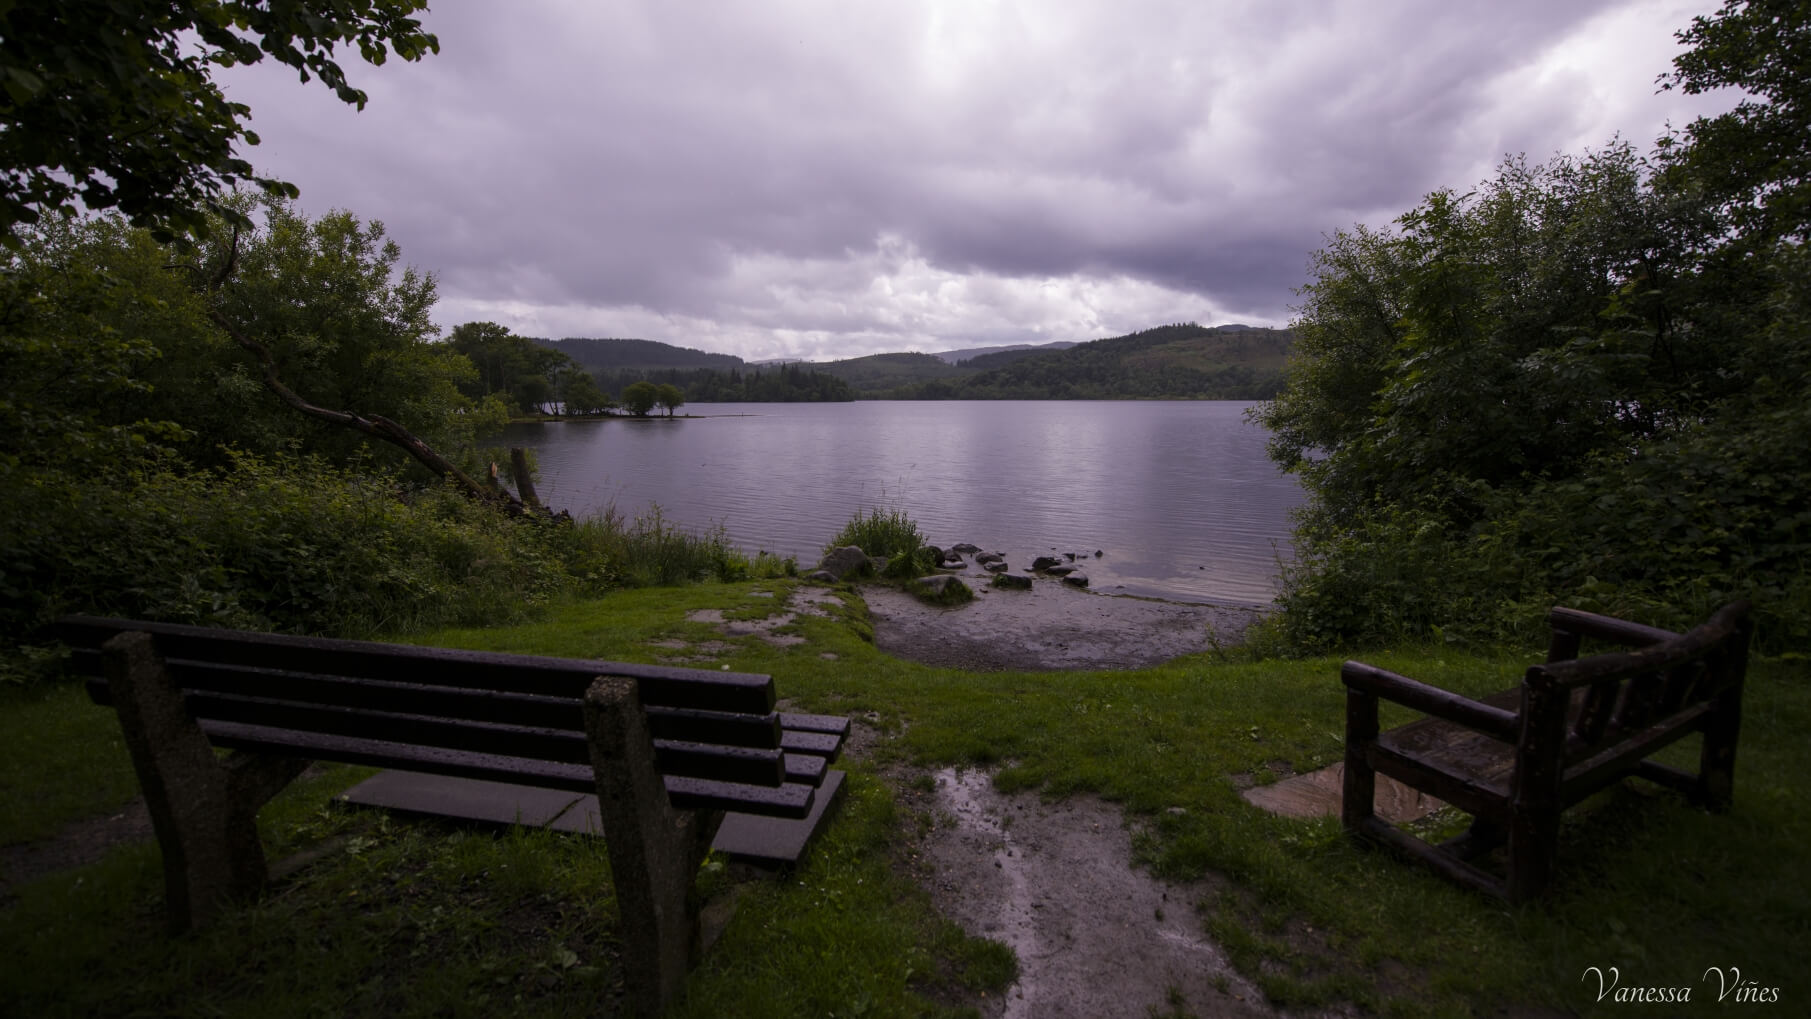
(376, 426)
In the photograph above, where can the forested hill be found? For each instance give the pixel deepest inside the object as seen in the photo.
(1177, 362)
(702, 377)
(607, 356)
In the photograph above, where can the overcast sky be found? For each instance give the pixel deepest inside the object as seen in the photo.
(831, 179)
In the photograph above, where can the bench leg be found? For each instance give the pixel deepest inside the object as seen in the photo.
(655, 851)
(205, 811)
(1359, 782)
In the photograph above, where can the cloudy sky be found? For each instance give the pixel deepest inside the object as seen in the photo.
(818, 179)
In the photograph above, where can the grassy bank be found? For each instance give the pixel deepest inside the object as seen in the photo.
(401, 918)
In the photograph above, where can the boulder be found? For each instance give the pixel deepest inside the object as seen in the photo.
(994, 565)
(965, 548)
(942, 589)
(1060, 570)
(1012, 581)
(1076, 580)
(989, 557)
(841, 562)
(1045, 562)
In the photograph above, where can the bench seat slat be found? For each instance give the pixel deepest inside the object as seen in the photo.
(822, 744)
(837, 724)
(807, 768)
(791, 799)
(558, 677)
(536, 711)
(731, 764)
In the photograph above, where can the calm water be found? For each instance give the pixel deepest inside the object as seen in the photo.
(1177, 495)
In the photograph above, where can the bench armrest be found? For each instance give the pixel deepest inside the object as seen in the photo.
(1432, 700)
(1618, 631)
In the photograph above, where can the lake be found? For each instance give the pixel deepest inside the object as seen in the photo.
(1177, 496)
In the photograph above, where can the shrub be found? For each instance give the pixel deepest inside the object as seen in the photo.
(884, 533)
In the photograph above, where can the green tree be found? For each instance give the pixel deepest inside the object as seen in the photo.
(521, 371)
(669, 397)
(112, 103)
(580, 396)
(1584, 382)
(640, 397)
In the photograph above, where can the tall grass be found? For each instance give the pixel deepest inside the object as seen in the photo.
(888, 534)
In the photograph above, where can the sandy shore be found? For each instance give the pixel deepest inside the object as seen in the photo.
(1050, 627)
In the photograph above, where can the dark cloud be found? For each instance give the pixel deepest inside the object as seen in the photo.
(821, 179)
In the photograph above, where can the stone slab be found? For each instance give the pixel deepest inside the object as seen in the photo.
(464, 798)
(1318, 793)
(748, 838)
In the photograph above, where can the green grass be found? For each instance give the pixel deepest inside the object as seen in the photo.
(1647, 884)
(61, 759)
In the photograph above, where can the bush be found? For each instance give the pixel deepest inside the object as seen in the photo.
(300, 546)
(887, 534)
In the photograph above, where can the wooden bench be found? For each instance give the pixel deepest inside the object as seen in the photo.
(1517, 760)
(666, 750)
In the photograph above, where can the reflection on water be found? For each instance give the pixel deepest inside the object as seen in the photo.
(1176, 495)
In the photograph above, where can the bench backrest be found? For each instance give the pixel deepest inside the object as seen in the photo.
(260, 691)
(1666, 680)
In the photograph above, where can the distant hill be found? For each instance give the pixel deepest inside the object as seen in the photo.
(877, 372)
(1176, 362)
(703, 377)
(959, 356)
(606, 356)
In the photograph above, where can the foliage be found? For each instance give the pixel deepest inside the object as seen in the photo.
(526, 374)
(349, 328)
(112, 102)
(640, 397)
(1582, 382)
(579, 395)
(887, 534)
(668, 397)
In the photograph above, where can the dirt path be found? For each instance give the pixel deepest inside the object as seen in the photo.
(1094, 936)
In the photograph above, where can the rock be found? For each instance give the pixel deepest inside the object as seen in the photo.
(1045, 562)
(951, 561)
(1076, 579)
(965, 548)
(1069, 556)
(1061, 570)
(1012, 581)
(1098, 553)
(822, 577)
(989, 557)
(944, 589)
(994, 565)
(841, 562)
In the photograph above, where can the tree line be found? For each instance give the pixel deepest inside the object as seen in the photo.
(1585, 380)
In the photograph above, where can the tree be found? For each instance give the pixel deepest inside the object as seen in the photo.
(580, 396)
(1755, 158)
(669, 396)
(1587, 382)
(112, 102)
(640, 397)
(523, 372)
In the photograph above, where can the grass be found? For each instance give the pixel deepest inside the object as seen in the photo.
(1648, 884)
